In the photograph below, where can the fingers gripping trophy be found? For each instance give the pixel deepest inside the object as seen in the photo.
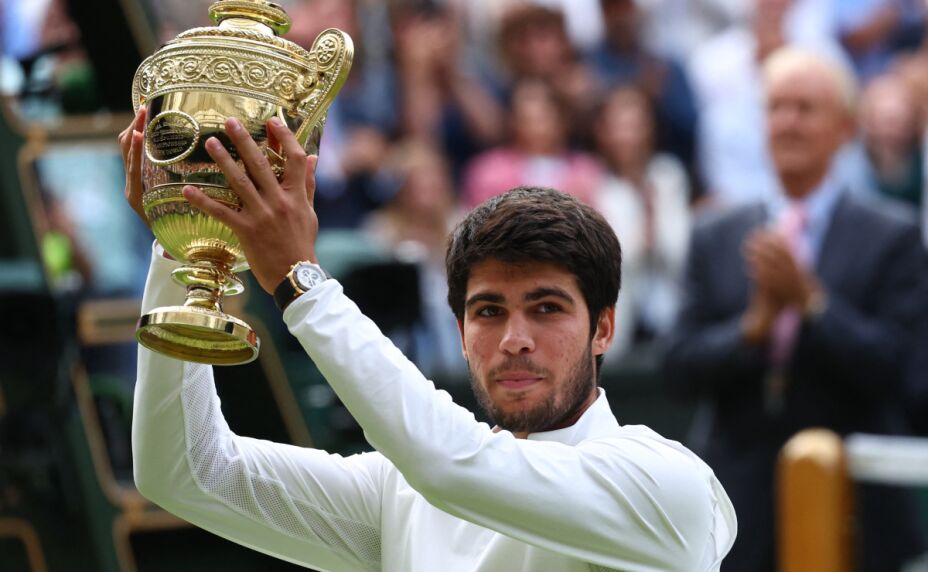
(240, 68)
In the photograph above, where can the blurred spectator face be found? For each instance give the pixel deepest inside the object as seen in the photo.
(911, 69)
(538, 123)
(312, 17)
(807, 119)
(58, 29)
(889, 115)
(622, 22)
(771, 12)
(534, 41)
(625, 128)
(426, 190)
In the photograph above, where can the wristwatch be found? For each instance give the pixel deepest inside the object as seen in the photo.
(303, 276)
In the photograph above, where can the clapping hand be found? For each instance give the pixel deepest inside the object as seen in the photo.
(778, 281)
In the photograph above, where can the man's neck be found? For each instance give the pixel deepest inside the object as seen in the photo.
(567, 421)
(800, 186)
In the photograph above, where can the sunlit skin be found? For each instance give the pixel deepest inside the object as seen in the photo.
(526, 337)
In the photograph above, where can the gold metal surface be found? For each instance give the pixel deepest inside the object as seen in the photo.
(240, 69)
(192, 333)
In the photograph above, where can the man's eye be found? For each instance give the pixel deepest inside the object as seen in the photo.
(549, 308)
(488, 311)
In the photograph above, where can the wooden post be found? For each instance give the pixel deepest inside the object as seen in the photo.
(814, 504)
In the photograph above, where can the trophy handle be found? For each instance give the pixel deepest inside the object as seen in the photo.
(140, 85)
(310, 143)
(332, 53)
(276, 160)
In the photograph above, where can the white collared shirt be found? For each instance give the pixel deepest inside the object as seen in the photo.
(442, 493)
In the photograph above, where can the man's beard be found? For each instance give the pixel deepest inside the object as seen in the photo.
(560, 405)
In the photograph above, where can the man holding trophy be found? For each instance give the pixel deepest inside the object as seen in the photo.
(557, 485)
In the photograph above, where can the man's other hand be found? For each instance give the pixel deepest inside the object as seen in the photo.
(130, 143)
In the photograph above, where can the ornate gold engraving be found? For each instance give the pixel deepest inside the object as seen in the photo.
(174, 193)
(279, 82)
(171, 137)
(291, 77)
(293, 49)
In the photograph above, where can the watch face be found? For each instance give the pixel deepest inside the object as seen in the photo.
(307, 276)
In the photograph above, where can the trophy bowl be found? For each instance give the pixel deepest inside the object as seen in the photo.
(240, 68)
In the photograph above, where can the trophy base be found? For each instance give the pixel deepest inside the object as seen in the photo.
(199, 335)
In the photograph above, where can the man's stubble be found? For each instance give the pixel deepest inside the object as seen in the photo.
(558, 406)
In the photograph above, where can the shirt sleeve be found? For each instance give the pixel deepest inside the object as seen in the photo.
(633, 503)
(300, 505)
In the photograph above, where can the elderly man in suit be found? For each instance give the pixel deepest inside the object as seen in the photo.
(798, 313)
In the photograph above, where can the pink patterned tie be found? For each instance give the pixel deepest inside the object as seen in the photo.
(792, 225)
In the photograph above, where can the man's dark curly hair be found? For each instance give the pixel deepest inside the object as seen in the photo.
(532, 224)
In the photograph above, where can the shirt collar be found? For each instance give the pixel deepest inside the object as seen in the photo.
(597, 421)
(818, 204)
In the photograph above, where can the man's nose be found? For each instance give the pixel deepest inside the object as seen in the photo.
(784, 118)
(517, 336)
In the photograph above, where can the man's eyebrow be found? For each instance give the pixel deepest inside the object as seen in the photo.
(544, 292)
(485, 297)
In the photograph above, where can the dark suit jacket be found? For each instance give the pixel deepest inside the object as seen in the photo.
(846, 373)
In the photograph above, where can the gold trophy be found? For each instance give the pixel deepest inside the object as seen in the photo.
(239, 68)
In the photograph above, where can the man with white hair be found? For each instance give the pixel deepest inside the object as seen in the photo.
(798, 313)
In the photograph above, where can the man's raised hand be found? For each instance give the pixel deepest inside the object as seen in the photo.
(276, 225)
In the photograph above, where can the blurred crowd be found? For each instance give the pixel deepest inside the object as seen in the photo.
(650, 110)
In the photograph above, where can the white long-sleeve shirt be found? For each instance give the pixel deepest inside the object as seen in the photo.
(442, 492)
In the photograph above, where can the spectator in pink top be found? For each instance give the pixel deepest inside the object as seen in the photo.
(537, 154)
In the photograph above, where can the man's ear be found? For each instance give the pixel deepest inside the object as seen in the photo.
(605, 331)
(463, 341)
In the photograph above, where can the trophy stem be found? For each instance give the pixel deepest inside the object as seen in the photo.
(207, 282)
(199, 330)
(209, 298)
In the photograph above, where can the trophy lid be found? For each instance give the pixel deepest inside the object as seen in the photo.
(271, 15)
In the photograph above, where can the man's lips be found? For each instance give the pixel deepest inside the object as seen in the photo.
(517, 379)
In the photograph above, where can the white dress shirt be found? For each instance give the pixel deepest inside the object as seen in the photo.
(442, 493)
